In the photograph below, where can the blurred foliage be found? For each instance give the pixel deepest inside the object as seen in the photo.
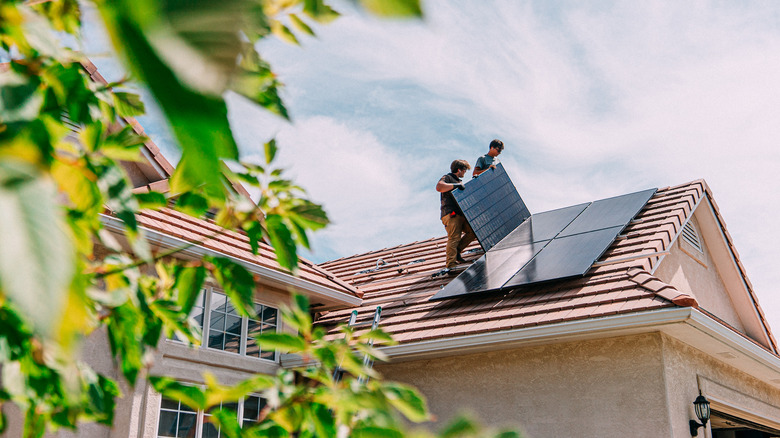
(309, 401)
(64, 138)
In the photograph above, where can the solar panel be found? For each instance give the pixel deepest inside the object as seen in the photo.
(565, 257)
(609, 212)
(541, 226)
(552, 245)
(491, 206)
(491, 271)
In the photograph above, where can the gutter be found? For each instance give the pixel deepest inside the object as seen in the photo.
(588, 329)
(571, 330)
(271, 276)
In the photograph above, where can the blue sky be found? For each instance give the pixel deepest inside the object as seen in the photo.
(591, 101)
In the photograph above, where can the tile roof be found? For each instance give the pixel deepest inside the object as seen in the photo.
(619, 283)
(207, 234)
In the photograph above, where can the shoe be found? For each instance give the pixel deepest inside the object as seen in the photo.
(460, 259)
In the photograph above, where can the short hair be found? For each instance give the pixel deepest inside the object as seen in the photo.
(459, 164)
(497, 144)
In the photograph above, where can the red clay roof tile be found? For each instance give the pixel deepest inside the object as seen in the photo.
(608, 289)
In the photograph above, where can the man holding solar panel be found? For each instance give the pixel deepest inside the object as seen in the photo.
(489, 160)
(459, 232)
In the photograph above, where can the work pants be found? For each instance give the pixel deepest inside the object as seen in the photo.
(456, 226)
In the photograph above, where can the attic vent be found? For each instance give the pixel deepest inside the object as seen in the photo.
(691, 236)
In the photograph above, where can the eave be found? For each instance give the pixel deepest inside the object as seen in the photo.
(266, 276)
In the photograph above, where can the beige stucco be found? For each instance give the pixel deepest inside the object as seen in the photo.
(588, 389)
(696, 274)
(640, 386)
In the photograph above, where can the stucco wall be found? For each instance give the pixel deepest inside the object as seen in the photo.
(600, 388)
(687, 370)
(695, 273)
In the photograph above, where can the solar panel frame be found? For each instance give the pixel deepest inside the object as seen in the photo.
(492, 206)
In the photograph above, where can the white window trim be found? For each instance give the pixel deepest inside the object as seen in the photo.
(201, 414)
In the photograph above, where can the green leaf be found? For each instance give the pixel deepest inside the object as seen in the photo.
(19, 97)
(191, 396)
(258, 83)
(508, 434)
(255, 233)
(124, 144)
(284, 342)
(300, 25)
(188, 284)
(237, 283)
(283, 32)
(408, 401)
(377, 335)
(151, 200)
(460, 426)
(324, 423)
(125, 332)
(282, 242)
(309, 215)
(270, 151)
(319, 11)
(227, 422)
(198, 120)
(36, 254)
(128, 104)
(393, 8)
(376, 432)
(192, 204)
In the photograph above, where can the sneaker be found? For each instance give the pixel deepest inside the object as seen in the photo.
(460, 259)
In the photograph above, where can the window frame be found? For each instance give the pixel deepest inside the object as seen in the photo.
(205, 326)
(200, 415)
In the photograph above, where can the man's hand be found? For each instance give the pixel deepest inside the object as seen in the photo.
(459, 186)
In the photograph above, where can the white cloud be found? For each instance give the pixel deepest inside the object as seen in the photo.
(362, 184)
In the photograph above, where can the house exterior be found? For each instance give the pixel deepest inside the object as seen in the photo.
(666, 313)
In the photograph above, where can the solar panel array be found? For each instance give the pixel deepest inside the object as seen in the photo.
(548, 246)
(492, 206)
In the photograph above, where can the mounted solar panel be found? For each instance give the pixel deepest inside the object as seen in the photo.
(548, 246)
(492, 206)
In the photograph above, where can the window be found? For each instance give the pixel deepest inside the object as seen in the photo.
(225, 329)
(178, 420)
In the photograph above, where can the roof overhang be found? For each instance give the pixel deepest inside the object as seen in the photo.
(685, 324)
(266, 276)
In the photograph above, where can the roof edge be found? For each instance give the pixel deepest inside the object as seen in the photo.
(271, 276)
(660, 288)
(508, 338)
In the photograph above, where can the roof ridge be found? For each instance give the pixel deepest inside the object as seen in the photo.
(662, 289)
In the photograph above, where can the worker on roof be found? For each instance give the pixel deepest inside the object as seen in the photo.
(489, 160)
(459, 232)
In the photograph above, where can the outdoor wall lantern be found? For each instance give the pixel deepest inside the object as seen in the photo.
(702, 408)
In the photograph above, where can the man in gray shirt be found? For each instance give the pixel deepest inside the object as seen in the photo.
(489, 160)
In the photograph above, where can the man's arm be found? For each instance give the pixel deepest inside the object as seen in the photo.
(443, 187)
(477, 171)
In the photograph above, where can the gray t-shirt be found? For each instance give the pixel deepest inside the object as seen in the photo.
(486, 161)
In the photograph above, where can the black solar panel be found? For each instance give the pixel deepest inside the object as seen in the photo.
(609, 212)
(565, 257)
(491, 271)
(492, 206)
(548, 246)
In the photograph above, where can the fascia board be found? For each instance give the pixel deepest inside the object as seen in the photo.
(561, 332)
(269, 276)
(735, 341)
